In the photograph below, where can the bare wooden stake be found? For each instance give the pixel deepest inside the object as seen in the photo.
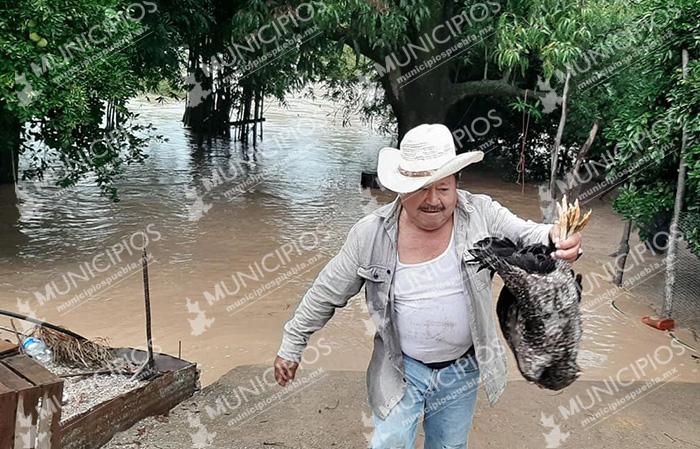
(574, 185)
(19, 340)
(7, 329)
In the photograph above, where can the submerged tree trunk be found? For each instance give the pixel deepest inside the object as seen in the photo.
(674, 234)
(249, 116)
(112, 117)
(10, 140)
(423, 99)
(10, 135)
(209, 101)
(621, 254)
(13, 237)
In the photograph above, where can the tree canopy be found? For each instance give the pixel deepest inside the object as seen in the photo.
(69, 68)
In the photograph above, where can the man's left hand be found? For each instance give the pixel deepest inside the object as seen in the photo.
(569, 249)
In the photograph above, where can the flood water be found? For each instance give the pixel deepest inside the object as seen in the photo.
(72, 256)
(235, 238)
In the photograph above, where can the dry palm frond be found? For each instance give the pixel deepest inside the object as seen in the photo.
(570, 220)
(70, 351)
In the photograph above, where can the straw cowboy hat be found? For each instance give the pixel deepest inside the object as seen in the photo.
(427, 153)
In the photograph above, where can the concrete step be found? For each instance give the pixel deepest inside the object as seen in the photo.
(328, 409)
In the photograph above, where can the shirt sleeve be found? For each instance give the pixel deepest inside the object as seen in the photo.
(504, 223)
(337, 282)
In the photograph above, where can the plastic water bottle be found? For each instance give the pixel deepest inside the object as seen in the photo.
(37, 349)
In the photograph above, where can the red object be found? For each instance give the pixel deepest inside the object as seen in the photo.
(662, 324)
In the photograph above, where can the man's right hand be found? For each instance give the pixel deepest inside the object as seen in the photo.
(284, 370)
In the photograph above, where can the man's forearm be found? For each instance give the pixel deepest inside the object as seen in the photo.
(332, 288)
(289, 350)
(310, 316)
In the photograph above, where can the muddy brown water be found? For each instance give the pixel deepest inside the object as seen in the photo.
(237, 236)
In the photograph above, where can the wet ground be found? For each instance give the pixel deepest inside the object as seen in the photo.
(328, 409)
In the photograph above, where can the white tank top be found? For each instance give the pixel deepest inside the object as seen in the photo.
(430, 307)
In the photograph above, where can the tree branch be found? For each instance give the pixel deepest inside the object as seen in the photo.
(557, 140)
(496, 88)
(574, 183)
(356, 42)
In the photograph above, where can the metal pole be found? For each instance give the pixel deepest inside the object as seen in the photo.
(147, 297)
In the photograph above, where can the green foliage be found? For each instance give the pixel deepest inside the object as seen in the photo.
(643, 205)
(553, 30)
(624, 58)
(652, 107)
(64, 65)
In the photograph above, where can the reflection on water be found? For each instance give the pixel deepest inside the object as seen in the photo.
(305, 168)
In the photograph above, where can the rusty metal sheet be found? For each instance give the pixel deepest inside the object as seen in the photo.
(163, 362)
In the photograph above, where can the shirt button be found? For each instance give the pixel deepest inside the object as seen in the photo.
(388, 271)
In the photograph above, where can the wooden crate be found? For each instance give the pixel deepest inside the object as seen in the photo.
(30, 405)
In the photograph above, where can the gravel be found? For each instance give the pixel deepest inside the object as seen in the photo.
(80, 393)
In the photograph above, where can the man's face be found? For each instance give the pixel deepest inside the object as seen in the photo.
(432, 206)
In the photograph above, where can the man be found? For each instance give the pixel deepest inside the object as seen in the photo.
(436, 337)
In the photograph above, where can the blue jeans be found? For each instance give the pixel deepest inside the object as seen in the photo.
(444, 397)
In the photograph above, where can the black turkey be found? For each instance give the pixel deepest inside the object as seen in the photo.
(538, 307)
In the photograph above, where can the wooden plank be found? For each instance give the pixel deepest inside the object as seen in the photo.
(8, 408)
(245, 122)
(27, 418)
(7, 346)
(11, 380)
(30, 369)
(49, 428)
